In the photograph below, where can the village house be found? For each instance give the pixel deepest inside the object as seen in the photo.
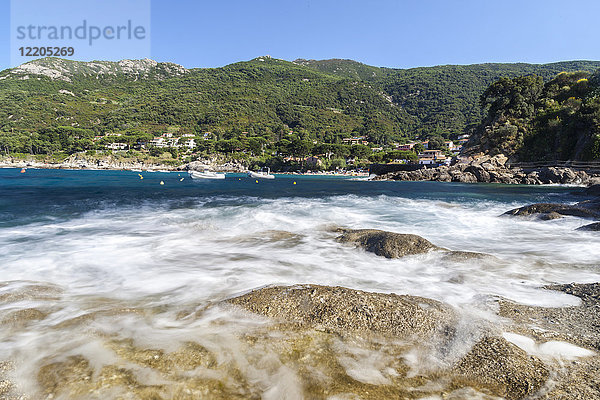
(430, 157)
(313, 161)
(116, 146)
(450, 144)
(158, 142)
(355, 140)
(406, 147)
(189, 143)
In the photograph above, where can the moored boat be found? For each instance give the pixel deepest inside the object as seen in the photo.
(206, 174)
(262, 174)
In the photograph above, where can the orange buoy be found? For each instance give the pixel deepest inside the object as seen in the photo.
(23, 170)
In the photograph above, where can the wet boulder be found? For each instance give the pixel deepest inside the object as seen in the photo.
(387, 244)
(595, 227)
(344, 310)
(593, 190)
(502, 367)
(543, 209)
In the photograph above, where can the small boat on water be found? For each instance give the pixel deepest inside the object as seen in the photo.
(262, 174)
(206, 174)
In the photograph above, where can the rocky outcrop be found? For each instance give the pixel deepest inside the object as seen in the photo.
(554, 210)
(343, 310)
(387, 244)
(489, 169)
(68, 70)
(594, 227)
(548, 211)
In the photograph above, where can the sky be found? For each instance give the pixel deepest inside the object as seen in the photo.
(399, 34)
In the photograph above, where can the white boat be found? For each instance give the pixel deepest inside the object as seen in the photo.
(262, 174)
(206, 174)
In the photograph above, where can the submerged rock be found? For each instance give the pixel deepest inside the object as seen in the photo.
(574, 324)
(460, 256)
(593, 190)
(387, 244)
(502, 366)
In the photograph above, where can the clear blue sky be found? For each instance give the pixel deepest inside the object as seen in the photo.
(399, 33)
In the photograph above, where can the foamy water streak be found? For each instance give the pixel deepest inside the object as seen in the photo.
(203, 252)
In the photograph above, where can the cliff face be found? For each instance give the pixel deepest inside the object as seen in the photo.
(532, 121)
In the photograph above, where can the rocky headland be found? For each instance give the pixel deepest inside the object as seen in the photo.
(494, 169)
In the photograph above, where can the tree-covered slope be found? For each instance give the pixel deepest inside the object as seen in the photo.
(531, 121)
(264, 98)
(443, 99)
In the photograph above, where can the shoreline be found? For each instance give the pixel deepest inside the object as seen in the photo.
(137, 167)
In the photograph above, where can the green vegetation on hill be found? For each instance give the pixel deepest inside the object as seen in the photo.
(254, 109)
(533, 121)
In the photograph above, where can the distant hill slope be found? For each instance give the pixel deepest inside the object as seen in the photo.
(319, 100)
(443, 99)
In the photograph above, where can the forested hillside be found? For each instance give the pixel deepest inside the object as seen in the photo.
(53, 105)
(533, 121)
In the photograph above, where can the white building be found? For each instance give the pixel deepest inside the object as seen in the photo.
(116, 146)
(189, 143)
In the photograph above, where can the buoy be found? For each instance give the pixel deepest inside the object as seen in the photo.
(23, 170)
(162, 183)
(294, 183)
(239, 179)
(257, 181)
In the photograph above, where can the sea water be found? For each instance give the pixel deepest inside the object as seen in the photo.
(89, 242)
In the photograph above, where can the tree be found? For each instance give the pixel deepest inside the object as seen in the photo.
(360, 151)
(419, 148)
(436, 143)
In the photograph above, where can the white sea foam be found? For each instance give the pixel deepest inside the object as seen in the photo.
(201, 253)
(550, 349)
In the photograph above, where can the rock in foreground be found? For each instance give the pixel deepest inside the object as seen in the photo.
(345, 310)
(492, 366)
